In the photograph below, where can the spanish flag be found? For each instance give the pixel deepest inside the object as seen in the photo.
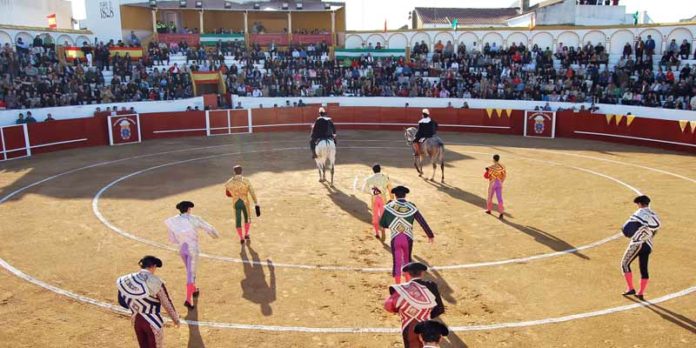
(72, 53)
(52, 23)
(135, 53)
(210, 77)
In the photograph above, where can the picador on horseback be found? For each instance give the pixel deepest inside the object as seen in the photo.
(323, 129)
(426, 143)
(427, 128)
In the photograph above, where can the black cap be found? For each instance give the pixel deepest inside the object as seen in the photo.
(400, 190)
(431, 330)
(184, 206)
(414, 267)
(148, 261)
(642, 199)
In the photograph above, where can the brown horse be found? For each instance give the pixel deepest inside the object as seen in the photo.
(431, 147)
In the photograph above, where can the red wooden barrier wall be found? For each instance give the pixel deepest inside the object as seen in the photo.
(82, 132)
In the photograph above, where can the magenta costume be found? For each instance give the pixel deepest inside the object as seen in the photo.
(398, 217)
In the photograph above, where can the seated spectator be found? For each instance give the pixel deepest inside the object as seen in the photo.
(20, 119)
(239, 106)
(30, 118)
(49, 117)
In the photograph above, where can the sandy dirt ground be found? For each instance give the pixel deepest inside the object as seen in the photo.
(561, 194)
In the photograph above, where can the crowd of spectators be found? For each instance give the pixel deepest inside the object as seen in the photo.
(33, 75)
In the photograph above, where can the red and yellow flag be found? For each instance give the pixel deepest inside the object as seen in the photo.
(52, 23)
(210, 77)
(72, 53)
(133, 52)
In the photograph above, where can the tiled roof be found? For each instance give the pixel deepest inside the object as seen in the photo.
(466, 16)
(307, 5)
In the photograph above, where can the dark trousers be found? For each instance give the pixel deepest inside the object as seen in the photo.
(642, 252)
(145, 333)
(410, 337)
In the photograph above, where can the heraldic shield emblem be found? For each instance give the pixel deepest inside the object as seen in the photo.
(539, 124)
(124, 129)
(125, 126)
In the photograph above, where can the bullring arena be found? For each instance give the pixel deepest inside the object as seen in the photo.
(314, 275)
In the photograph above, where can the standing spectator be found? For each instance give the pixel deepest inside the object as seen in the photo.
(650, 46)
(627, 51)
(639, 47)
(684, 49)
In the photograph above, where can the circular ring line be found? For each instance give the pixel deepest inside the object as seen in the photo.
(126, 234)
(119, 310)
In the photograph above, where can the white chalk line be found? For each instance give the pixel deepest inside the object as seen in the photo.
(304, 329)
(97, 212)
(119, 310)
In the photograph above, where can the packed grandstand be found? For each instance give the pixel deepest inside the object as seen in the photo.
(37, 74)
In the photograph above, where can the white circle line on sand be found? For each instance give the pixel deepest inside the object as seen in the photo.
(126, 234)
(120, 310)
(387, 330)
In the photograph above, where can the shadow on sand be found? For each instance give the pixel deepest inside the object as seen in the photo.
(668, 315)
(255, 289)
(195, 339)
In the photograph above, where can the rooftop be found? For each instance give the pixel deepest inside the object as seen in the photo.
(307, 5)
(466, 16)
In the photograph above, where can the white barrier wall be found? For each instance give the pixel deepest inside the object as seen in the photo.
(8, 117)
(613, 38)
(638, 111)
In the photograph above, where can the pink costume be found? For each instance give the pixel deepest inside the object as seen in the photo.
(496, 176)
(183, 232)
(379, 187)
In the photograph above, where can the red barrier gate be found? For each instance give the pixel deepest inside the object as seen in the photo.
(14, 142)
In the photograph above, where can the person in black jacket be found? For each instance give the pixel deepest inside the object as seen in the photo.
(427, 128)
(323, 129)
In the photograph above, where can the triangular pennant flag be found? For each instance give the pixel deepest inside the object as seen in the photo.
(509, 112)
(618, 119)
(609, 117)
(488, 112)
(682, 124)
(629, 119)
(500, 112)
(693, 126)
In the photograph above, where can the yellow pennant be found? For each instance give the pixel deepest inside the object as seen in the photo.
(499, 112)
(489, 112)
(609, 117)
(693, 126)
(509, 112)
(629, 119)
(682, 124)
(618, 119)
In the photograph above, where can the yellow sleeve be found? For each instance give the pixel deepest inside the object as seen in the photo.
(389, 189)
(251, 192)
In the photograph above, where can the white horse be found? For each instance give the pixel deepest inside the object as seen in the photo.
(326, 157)
(431, 147)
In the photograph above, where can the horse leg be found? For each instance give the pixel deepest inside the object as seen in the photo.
(332, 173)
(415, 164)
(442, 164)
(442, 168)
(321, 172)
(432, 178)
